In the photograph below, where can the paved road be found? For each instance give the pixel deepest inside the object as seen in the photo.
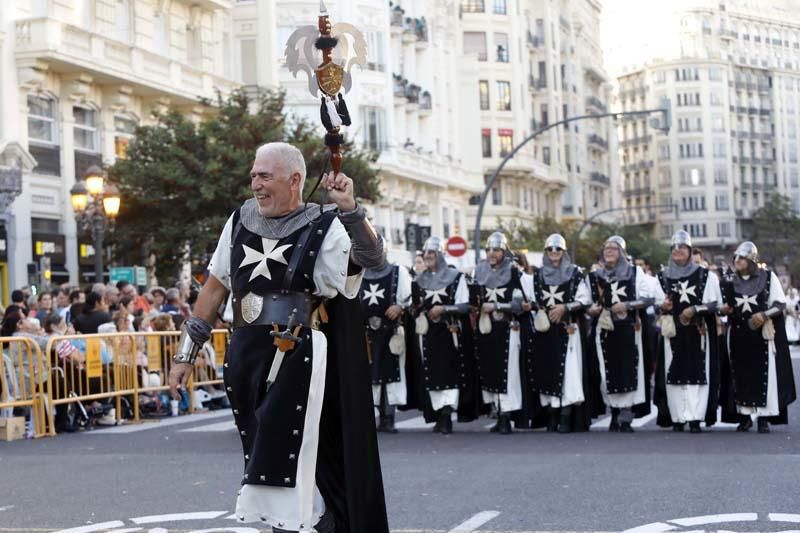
(182, 475)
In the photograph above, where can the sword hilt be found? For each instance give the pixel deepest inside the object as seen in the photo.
(287, 333)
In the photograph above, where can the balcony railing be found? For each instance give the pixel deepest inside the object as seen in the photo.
(536, 84)
(598, 177)
(596, 140)
(593, 101)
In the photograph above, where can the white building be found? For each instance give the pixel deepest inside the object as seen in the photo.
(77, 77)
(734, 83)
(540, 63)
(413, 103)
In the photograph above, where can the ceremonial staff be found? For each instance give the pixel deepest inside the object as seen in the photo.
(327, 52)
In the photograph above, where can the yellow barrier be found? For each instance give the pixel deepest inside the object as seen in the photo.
(112, 366)
(23, 372)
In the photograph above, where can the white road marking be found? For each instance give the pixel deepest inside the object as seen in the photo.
(601, 422)
(475, 522)
(128, 530)
(783, 517)
(418, 422)
(715, 519)
(655, 527)
(227, 529)
(212, 428)
(6, 508)
(177, 517)
(639, 422)
(166, 422)
(103, 526)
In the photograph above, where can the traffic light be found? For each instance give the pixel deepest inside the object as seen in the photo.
(663, 122)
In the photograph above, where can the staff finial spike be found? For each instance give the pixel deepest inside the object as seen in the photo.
(322, 9)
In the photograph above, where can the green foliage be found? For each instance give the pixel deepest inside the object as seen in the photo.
(774, 229)
(640, 239)
(181, 180)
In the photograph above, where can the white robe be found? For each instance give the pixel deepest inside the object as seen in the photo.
(511, 400)
(688, 403)
(776, 295)
(644, 289)
(572, 388)
(448, 397)
(300, 507)
(396, 391)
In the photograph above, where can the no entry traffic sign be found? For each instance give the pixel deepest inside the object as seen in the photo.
(456, 246)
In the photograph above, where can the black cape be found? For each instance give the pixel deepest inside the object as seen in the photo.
(348, 465)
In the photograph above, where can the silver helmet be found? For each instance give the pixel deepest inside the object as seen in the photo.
(619, 241)
(555, 241)
(433, 244)
(748, 250)
(681, 238)
(497, 240)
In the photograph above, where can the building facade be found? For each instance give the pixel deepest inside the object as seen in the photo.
(540, 63)
(409, 104)
(78, 77)
(733, 143)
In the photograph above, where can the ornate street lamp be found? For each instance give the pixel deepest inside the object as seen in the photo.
(96, 205)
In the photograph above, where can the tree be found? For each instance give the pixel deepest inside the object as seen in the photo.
(774, 229)
(180, 181)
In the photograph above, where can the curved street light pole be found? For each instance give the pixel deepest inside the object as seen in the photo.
(477, 238)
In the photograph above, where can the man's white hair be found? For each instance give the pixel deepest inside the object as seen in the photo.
(287, 154)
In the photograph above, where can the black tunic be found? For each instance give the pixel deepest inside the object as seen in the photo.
(549, 354)
(620, 352)
(493, 347)
(377, 295)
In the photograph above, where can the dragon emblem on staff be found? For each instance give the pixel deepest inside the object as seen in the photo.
(327, 53)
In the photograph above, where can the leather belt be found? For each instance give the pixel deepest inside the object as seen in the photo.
(250, 309)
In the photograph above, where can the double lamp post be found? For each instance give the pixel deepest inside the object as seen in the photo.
(96, 204)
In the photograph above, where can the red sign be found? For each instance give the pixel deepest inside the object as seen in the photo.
(456, 246)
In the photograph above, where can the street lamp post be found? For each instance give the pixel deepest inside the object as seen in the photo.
(96, 204)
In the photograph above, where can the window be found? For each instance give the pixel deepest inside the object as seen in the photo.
(715, 97)
(723, 229)
(503, 96)
(690, 150)
(720, 176)
(661, 76)
(721, 202)
(695, 230)
(475, 43)
(375, 59)
(500, 7)
(505, 140)
(446, 222)
(374, 121)
(717, 123)
(484, 94)
(664, 178)
(692, 176)
(720, 149)
(663, 151)
(247, 48)
(715, 74)
(472, 6)
(85, 129)
(542, 79)
(124, 128)
(497, 191)
(501, 45)
(122, 20)
(546, 155)
(41, 119)
(486, 142)
(543, 110)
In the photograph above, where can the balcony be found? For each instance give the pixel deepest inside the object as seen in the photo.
(596, 141)
(396, 19)
(600, 178)
(639, 165)
(596, 103)
(639, 191)
(536, 84)
(642, 139)
(68, 49)
(535, 41)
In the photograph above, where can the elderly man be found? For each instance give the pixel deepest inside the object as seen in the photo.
(619, 291)
(557, 372)
(501, 298)
(296, 368)
(687, 379)
(763, 381)
(440, 296)
(385, 293)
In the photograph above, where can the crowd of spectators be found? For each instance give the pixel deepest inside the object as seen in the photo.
(99, 308)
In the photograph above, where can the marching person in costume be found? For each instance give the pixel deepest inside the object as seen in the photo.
(562, 293)
(440, 297)
(619, 290)
(763, 381)
(296, 370)
(385, 293)
(502, 296)
(688, 367)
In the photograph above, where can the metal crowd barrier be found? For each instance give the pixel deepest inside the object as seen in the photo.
(118, 366)
(23, 374)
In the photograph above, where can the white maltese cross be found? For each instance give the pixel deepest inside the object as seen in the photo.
(745, 301)
(685, 291)
(552, 295)
(436, 295)
(617, 291)
(373, 294)
(270, 252)
(493, 294)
